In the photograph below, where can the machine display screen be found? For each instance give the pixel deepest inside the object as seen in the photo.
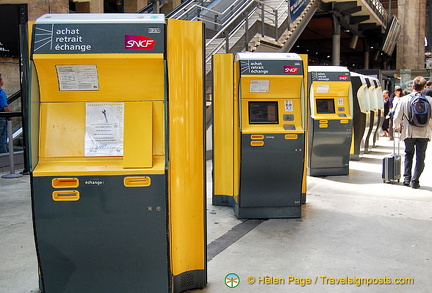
(325, 106)
(263, 113)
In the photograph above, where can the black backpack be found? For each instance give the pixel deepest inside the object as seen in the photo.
(419, 111)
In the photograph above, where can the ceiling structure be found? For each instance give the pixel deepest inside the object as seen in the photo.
(362, 29)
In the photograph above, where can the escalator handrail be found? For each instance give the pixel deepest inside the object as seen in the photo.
(146, 9)
(180, 8)
(15, 96)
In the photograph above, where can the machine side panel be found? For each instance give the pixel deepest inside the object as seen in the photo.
(223, 129)
(187, 154)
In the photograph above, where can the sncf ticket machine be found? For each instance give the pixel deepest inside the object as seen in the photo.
(374, 117)
(330, 128)
(118, 185)
(380, 106)
(259, 134)
(361, 115)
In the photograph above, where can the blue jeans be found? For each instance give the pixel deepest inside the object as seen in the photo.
(417, 146)
(3, 135)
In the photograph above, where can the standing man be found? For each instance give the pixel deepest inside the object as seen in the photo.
(416, 138)
(386, 122)
(4, 107)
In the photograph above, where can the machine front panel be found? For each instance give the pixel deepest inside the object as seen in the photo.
(271, 170)
(102, 233)
(331, 144)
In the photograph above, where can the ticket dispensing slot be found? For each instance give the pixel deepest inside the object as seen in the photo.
(66, 195)
(65, 182)
(330, 120)
(139, 181)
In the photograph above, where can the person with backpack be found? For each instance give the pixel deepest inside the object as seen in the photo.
(413, 119)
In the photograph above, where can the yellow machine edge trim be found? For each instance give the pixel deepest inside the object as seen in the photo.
(306, 116)
(223, 142)
(186, 170)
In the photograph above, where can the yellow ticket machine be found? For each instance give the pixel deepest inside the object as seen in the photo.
(113, 209)
(361, 115)
(259, 134)
(330, 128)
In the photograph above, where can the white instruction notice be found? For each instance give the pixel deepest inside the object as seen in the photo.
(323, 88)
(104, 129)
(259, 86)
(77, 77)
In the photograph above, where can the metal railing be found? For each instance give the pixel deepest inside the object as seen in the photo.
(379, 10)
(227, 23)
(8, 116)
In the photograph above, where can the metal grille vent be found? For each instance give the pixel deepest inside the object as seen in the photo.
(187, 280)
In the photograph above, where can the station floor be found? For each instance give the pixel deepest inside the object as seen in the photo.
(356, 234)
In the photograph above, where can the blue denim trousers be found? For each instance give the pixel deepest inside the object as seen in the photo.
(3, 135)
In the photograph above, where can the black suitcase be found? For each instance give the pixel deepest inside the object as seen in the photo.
(391, 167)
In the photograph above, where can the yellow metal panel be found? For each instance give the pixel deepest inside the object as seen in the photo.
(306, 116)
(138, 135)
(223, 124)
(186, 159)
(281, 86)
(123, 77)
(158, 128)
(62, 129)
(336, 88)
(83, 166)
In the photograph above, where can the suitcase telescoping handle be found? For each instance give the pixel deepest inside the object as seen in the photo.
(397, 137)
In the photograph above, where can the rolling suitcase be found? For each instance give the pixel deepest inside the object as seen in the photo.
(391, 167)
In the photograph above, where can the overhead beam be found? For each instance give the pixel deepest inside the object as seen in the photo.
(367, 26)
(359, 19)
(350, 11)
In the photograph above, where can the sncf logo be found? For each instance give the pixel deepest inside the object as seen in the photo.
(138, 42)
(343, 77)
(291, 69)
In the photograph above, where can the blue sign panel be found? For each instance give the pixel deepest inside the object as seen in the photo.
(297, 7)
